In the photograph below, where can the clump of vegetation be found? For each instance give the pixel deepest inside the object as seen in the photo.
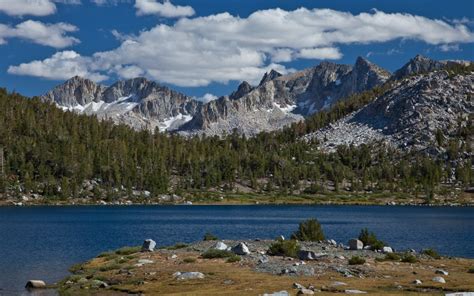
(107, 254)
(432, 253)
(209, 237)
(409, 258)
(370, 239)
(289, 248)
(392, 257)
(233, 258)
(471, 270)
(177, 246)
(389, 257)
(189, 260)
(214, 253)
(128, 250)
(110, 266)
(356, 260)
(309, 230)
(76, 268)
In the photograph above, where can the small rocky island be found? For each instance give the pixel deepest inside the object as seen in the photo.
(305, 264)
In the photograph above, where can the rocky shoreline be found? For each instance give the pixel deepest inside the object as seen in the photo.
(251, 267)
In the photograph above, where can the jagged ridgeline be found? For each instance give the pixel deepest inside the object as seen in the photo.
(55, 153)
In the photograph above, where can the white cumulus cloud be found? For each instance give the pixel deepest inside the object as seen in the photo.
(163, 9)
(62, 65)
(222, 47)
(329, 53)
(32, 7)
(207, 98)
(53, 35)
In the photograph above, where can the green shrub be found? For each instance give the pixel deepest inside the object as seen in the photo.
(471, 270)
(370, 239)
(106, 254)
(110, 266)
(392, 257)
(389, 257)
(213, 253)
(432, 253)
(309, 230)
(289, 248)
(128, 250)
(209, 237)
(177, 246)
(233, 258)
(356, 260)
(189, 260)
(409, 258)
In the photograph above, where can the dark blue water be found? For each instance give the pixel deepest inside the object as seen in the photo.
(42, 242)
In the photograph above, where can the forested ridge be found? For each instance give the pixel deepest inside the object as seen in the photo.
(51, 152)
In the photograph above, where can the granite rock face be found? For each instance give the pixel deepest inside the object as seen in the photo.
(408, 116)
(422, 99)
(138, 102)
(277, 101)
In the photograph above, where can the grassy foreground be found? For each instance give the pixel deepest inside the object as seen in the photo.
(123, 274)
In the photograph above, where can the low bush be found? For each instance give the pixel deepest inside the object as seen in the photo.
(189, 260)
(356, 260)
(471, 270)
(234, 258)
(108, 255)
(432, 253)
(209, 237)
(110, 266)
(389, 257)
(289, 248)
(213, 253)
(370, 239)
(177, 246)
(409, 258)
(392, 257)
(309, 230)
(128, 250)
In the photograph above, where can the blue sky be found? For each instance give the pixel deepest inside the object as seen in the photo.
(209, 46)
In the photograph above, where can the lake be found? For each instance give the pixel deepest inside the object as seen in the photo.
(42, 242)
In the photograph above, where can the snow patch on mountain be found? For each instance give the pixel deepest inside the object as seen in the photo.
(174, 122)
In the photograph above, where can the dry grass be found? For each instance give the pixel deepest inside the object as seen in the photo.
(235, 279)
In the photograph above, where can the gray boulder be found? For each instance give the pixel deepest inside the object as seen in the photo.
(387, 250)
(355, 244)
(241, 249)
(417, 282)
(298, 286)
(441, 271)
(220, 246)
(35, 284)
(304, 291)
(188, 275)
(439, 279)
(310, 255)
(148, 245)
(280, 293)
(355, 292)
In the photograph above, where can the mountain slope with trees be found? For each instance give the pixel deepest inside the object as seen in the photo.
(54, 155)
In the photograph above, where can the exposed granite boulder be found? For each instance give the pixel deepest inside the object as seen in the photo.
(35, 284)
(355, 244)
(148, 245)
(192, 275)
(241, 249)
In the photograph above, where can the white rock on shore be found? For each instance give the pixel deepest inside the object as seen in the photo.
(35, 284)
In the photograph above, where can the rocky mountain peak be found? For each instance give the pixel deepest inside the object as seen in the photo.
(417, 65)
(269, 76)
(75, 91)
(243, 89)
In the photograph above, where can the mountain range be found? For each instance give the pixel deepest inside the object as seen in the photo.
(420, 99)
